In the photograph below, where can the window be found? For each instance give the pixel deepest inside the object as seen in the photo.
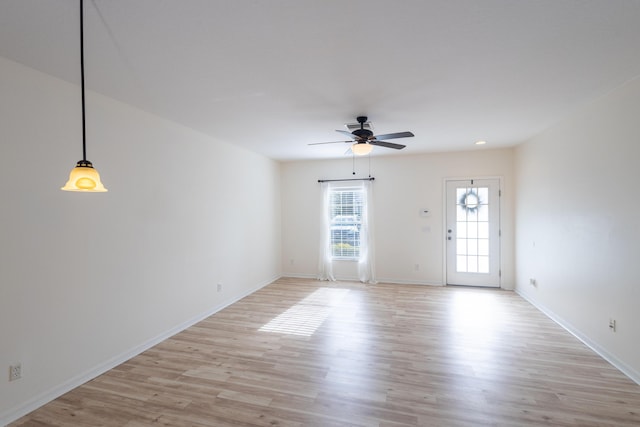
(345, 207)
(346, 229)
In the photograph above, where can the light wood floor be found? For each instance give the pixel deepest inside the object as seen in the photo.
(348, 354)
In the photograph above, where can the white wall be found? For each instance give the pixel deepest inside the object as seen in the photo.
(578, 229)
(403, 185)
(87, 280)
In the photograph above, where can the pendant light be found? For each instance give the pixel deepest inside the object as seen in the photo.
(84, 177)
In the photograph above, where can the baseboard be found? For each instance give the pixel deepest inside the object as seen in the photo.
(355, 279)
(602, 352)
(314, 277)
(49, 395)
(299, 276)
(409, 282)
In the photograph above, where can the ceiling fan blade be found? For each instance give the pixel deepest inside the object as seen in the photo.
(331, 142)
(395, 135)
(344, 132)
(387, 144)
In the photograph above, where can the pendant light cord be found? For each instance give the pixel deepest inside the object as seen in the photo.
(84, 131)
(353, 163)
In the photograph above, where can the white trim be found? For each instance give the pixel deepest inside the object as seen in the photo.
(408, 282)
(57, 391)
(617, 363)
(299, 276)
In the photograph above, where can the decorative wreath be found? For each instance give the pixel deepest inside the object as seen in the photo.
(470, 201)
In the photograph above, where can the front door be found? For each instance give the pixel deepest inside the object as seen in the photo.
(473, 232)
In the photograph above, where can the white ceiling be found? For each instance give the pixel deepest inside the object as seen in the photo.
(273, 76)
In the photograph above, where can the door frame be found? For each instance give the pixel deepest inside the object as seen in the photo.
(444, 221)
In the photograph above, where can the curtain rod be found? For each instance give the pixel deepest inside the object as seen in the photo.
(348, 179)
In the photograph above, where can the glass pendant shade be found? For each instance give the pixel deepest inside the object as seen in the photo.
(84, 178)
(361, 148)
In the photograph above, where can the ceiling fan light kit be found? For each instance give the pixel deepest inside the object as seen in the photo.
(361, 148)
(362, 139)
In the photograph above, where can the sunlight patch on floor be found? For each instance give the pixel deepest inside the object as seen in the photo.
(478, 325)
(307, 316)
(476, 316)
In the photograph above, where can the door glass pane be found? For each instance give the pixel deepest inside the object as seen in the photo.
(483, 194)
(483, 230)
(483, 264)
(461, 246)
(472, 264)
(483, 247)
(461, 230)
(472, 246)
(461, 264)
(483, 212)
(472, 230)
(472, 214)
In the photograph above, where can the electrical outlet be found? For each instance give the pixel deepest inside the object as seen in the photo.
(533, 282)
(15, 372)
(219, 287)
(612, 325)
(417, 267)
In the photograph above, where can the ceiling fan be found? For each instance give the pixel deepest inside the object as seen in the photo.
(362, 140)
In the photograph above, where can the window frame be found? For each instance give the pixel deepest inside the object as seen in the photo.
(350, 204)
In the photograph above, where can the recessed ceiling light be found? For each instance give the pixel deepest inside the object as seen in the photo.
(481, 142)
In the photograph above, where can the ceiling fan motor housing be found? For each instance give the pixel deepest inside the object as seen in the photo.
(363, 133)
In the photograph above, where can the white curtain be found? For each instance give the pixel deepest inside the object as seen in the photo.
(325, 262)
(366, 262)
(366, 265)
